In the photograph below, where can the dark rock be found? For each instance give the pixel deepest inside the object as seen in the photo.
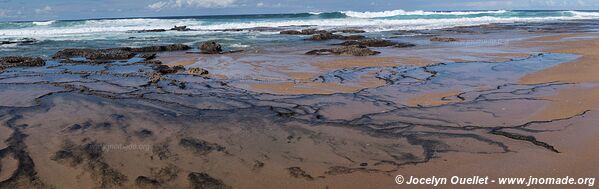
(297, 172)
(148, 56)
(199, 146)
(302, 32)
(211, 47)
(353, 37)
(115, 53)
(92, 54)
(258, 164)
(150, 31)
(144, 133)
(18, 41)
(351, 31)
(145, 182)
(363, 164)
(205, 181)
(162, 48)
(198, 71)
(232, 30)
(376, 43)
(329, 36)
(19, 61)
(355, 50)
(164, 69)
(443, 39)
(325, 36)
(154, 77)
(180, 28)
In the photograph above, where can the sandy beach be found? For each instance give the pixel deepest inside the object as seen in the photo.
(352, 111)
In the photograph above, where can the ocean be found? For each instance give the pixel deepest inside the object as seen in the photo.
(98, 33)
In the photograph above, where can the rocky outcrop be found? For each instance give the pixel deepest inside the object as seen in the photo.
(164, 69)
(18, 41)
(354, 50)
(115, 53)
(350, 31)
(211, 47)
(149, 31)
(376, 43)
(329, 36)
(443, 39)
(303, 32)
(93, 54)
(19, 61)
(180, 28)
(161, 48)
(198, 71)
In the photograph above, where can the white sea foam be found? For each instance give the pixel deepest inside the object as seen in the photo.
(46, 23)
(584, 14)
(391, 13)
(109, 29)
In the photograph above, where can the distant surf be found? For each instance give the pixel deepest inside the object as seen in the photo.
(369, 21)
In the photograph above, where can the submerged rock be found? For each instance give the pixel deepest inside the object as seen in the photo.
(376, 43)
(443, 39)
(354, 50)
(211, 47)
(19, 61)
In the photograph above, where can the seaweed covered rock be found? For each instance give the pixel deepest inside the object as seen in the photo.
(19, 61)
(211, 47)
(354, 50)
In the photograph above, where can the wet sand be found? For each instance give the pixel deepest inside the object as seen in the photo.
(584, 70)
